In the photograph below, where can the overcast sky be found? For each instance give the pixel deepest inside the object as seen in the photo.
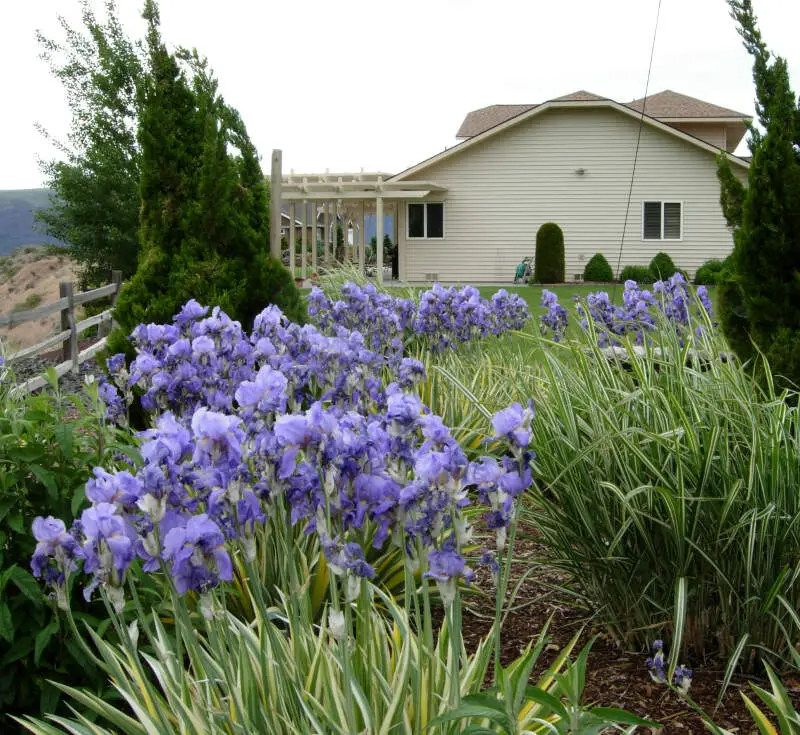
(382, 84)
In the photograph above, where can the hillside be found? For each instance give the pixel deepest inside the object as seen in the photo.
(29, 277)
(17, 226)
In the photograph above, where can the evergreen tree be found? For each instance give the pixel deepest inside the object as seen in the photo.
(761, 287)
(204, 224)
(95, 202)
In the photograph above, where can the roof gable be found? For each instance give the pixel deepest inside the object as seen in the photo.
(562, 104)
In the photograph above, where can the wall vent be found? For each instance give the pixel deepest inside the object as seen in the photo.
(431, 277)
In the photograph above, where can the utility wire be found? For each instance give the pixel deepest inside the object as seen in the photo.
(638, 141)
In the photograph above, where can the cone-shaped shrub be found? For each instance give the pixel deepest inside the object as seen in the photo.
(549, 254)
(598, 269)
(662, 267)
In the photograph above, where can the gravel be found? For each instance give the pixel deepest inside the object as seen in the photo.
(31, 367)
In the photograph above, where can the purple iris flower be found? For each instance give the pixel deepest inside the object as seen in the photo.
(514, 424)
(197, 554)
(53, 543)
(217, 438)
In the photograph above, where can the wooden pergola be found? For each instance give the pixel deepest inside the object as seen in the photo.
(345, 197)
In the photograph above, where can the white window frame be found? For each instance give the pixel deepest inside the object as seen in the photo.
(662, 202)
(425, 222)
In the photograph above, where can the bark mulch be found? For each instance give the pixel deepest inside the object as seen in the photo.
(615, 677)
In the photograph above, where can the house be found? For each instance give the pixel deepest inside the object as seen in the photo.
(628, 180)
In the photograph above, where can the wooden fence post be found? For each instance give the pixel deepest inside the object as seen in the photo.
(105, 327)
(69, 350)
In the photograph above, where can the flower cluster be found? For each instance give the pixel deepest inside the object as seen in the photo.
(639, 313)
(555, 320)
(445, 317)
(681, 678)
(284, 422)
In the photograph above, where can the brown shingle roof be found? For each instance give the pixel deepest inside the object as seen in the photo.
(669, 104)
(487, 117)
(666, 104)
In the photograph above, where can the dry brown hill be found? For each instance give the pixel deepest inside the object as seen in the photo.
(29, 277)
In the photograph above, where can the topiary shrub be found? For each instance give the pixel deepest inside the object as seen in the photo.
(549, 254)
(638, 273)
(662, 267)
(598, 269)
(731, 311)
(708, 273)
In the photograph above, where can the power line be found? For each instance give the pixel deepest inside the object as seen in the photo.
(638, 141)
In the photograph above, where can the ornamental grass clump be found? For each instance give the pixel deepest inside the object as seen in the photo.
(669, 492)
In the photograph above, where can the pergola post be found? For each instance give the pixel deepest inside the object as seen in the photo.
(293, 240)
(379, 234)
(275, 205)
(362, 249)
(327, 234)
(303, 238)
(335, 244)
(314, 238)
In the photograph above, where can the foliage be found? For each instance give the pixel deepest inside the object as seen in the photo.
(549, 265)
(767, 236)
(31, 301)
(598, 269)
(507, 706)
(388, 249)
(204, 217)
(44, 461)
(661, 267)
(653, 507)
(708, 273)
(639, 273)
(95, 181)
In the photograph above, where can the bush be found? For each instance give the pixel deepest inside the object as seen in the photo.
(598, 269)
(45, 460)
(639, 273)
(708, 273)
(661, 267)
(549, 254)
(732, 312)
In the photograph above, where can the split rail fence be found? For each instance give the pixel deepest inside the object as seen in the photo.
(71, 358)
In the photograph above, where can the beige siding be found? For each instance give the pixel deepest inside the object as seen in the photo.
(502, 190)
(713, 133)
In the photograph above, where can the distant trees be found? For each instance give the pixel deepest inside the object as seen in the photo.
(95, 205)
(760, 288)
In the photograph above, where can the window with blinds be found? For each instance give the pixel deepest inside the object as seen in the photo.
(662, 220)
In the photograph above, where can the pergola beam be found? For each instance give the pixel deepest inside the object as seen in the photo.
(299, 196)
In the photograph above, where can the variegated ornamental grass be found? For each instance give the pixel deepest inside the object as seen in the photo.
(667, 477)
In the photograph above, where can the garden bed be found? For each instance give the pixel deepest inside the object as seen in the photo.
(615, 677)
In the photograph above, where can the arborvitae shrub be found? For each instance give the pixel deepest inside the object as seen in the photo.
(662, 267)
(549, 254)
(598, 269)
(639, 273)
(708, 273)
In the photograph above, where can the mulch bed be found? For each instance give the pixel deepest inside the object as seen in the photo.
(615, 677)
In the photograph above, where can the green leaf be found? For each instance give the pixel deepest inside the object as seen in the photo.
(6, 624)
(613, 715)
(553, 704)
(465, 711)
(77, 499)
(49, 698)
(65, 436)
(15, 522)
(21, 648)
(27, 585)
(48, 479)
(42, 639)
(6, 505)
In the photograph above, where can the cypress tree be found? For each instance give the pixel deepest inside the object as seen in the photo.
(761, 286)
(204, 226)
